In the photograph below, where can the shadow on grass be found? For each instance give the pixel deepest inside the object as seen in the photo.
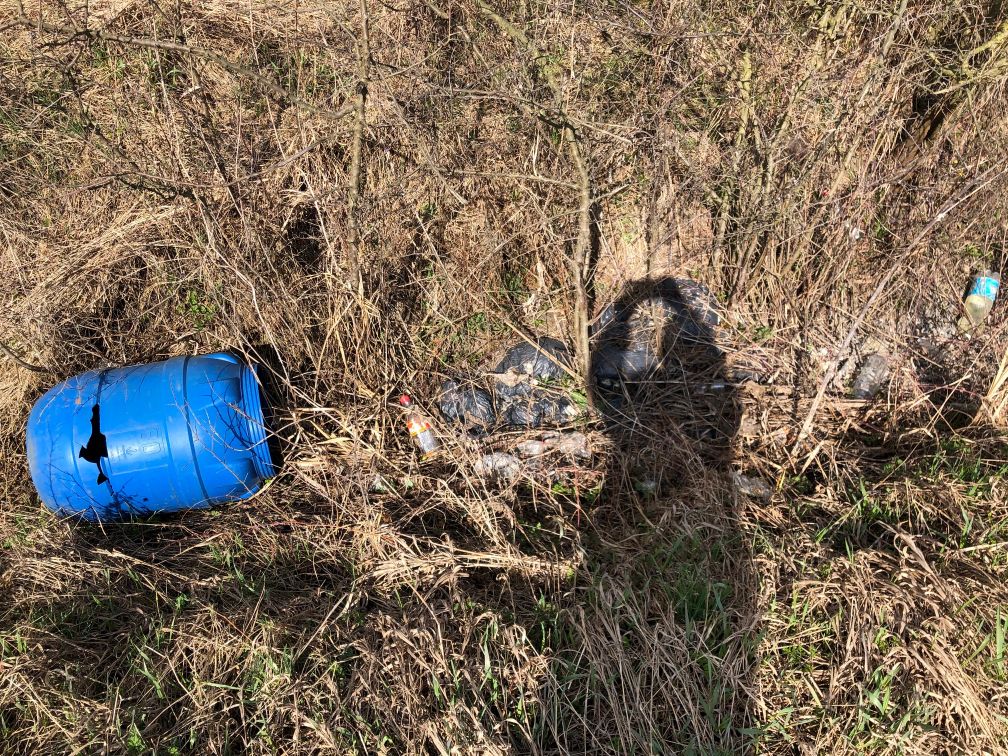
(172, 636)
(651, 643)
(260, 624)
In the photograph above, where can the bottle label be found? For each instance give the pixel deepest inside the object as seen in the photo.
(416, 426)
(984, 286)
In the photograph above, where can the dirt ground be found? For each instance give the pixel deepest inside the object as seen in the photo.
(372, 197)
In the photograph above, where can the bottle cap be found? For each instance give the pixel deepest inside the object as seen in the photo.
(405, 400)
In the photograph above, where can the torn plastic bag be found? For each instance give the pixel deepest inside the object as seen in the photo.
(546, 360)
(525, 385)
(538, 409)
(525, 391)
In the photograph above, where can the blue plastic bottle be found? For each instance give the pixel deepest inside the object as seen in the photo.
(180, 434)
(979, 299)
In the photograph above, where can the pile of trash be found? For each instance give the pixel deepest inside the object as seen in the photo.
(656, 332)
(640, 334)
(532, 386)
(633, 340)
(529, 388)
(540, 456)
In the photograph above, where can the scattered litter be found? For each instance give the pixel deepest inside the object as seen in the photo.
(533, 447)
(538, 408)
(931, 329)
(385, 484)
(712, 387)
(979, 299)
(871, 377)
(542, 457)
(748, 485)
(419, 427)
(929, 347)
(498, 467)
(530, 389)
(645, 485)
(381, 484)
(530, 386)
(738, 374)
(573, 444)
(854, 233)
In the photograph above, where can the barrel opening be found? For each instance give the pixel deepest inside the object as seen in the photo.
(275, 396)
(97, 445)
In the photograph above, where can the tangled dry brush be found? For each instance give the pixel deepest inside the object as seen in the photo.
(369, 197)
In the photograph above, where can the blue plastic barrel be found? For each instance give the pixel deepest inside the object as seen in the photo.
(184, 433)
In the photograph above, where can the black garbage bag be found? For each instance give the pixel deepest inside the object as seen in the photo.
(527, 391)
(635, 337)
(527, 385)
(539, 409)
(698, 311)
(545, 360)
(613, 362)
(468, 405)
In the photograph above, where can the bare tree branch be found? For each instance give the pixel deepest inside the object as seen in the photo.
(264, 82)
(580, 260)
(26, 365)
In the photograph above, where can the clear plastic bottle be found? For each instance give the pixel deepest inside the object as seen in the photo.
(870, 378)
(980, 297)
(419, 427)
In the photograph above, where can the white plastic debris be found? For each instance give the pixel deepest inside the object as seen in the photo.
(854, 233)
(572, 444)
(749, 485)
(498, 466)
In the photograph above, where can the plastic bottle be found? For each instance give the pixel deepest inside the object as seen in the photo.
(419, 427)
(979, 299)
(498, 466)
(873, 374)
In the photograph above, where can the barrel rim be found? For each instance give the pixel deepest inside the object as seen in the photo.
(255, 422)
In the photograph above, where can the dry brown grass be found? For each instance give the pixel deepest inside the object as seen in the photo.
(180, 179)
